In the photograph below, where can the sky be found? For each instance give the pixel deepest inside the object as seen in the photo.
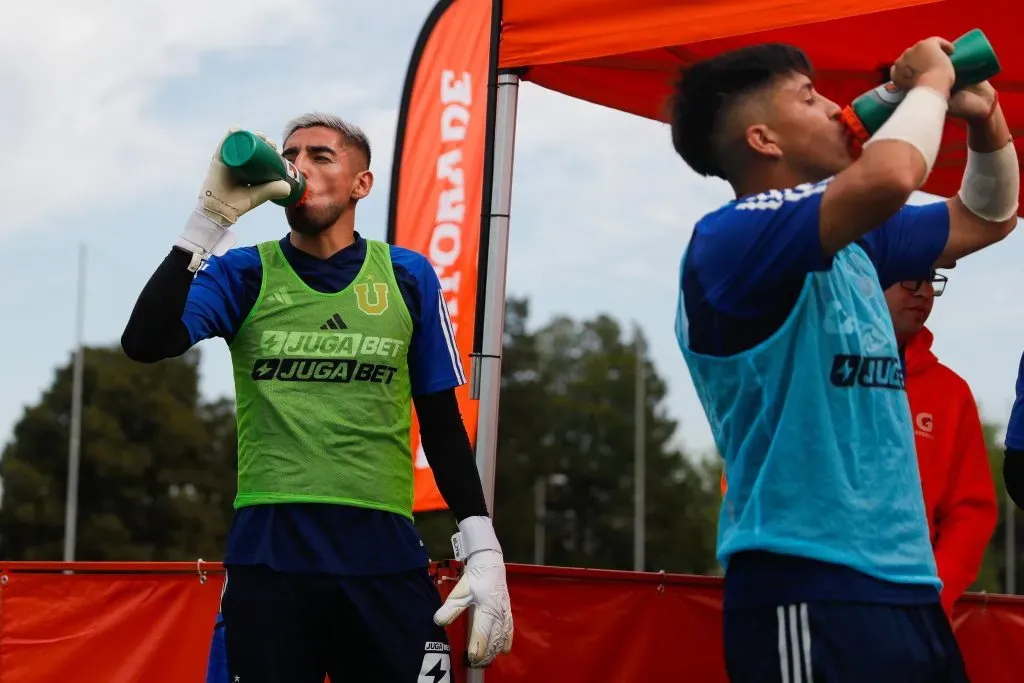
(120, 104)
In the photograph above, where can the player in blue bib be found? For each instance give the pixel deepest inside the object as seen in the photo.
(783, 324)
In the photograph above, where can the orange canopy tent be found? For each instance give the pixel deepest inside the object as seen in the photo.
(626, 55)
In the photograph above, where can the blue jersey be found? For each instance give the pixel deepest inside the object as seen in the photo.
(308, 537)
(1014, 439)
(794, 358)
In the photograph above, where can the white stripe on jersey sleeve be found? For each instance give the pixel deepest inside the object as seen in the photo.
(449, 335)
(773, 200)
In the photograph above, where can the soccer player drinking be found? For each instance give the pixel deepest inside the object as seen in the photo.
(783, 323)
(333, 338)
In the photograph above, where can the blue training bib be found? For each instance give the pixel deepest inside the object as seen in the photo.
(815, 430)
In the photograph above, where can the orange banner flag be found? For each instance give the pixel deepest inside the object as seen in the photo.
(437, 179)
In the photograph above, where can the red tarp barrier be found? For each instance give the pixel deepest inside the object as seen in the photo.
(152, 623)
(135, 627)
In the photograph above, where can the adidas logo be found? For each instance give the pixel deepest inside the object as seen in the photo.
(334, 323)
(280, 296)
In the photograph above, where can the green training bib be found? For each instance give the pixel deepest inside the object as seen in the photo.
(322, 386)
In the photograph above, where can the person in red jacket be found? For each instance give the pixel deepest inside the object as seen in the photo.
(956, 478)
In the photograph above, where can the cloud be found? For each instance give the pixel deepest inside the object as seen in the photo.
(93, 125)
(606, 181)
(602, 209)
(111, 112)
(118, 105)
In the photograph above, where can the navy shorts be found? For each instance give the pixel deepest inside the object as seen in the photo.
(300, 627)
(833, 642)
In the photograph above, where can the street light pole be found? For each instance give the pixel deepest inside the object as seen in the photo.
(75, 438)
(639, 469)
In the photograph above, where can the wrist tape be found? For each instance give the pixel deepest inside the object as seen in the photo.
(990, 188)
(919, 121)
(475, 534)
(204, 236)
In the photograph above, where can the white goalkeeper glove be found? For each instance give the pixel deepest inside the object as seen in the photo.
(222, 201)
(483, 586)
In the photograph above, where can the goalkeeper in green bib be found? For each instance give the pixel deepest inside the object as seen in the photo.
(333, 339)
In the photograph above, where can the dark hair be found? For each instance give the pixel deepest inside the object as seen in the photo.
(706, 90)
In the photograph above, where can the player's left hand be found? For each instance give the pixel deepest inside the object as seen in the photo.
(974, 103)
(484, 587)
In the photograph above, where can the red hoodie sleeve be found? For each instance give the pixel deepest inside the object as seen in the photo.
(966, 515)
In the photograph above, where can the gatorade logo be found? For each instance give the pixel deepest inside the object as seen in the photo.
(925, 424)
(337, 370)
(890, 93)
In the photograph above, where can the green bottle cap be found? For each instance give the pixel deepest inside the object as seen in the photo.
(238, 148)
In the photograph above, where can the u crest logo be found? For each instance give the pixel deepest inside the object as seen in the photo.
(379, 302)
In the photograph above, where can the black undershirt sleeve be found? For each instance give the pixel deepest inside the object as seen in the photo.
(155, 330)
(450, 453)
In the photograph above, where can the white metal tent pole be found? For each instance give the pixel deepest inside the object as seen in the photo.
(74, 442)
(487, 371)
(489, 365)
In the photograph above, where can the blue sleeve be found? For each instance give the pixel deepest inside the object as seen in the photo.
(217, 660)
(907, 245)
(434, 360)
(222, 294)
(1015, 429)
(744, 252)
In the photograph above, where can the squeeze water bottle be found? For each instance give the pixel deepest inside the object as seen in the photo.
(253, 161)
(973, 59)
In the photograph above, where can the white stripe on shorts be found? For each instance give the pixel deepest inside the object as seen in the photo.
(794, 644)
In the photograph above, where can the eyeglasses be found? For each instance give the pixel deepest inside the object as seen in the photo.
(938, 283)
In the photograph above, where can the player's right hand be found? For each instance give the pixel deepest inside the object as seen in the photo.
(925, 63)
(224, 200)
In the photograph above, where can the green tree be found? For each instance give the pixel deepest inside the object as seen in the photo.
(992, 575)
(566, 421)
(157, 465)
